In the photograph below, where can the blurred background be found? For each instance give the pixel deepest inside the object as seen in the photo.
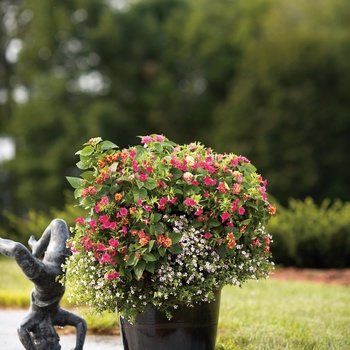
(268, 79)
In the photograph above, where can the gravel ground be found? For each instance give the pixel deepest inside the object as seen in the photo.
(10, 319)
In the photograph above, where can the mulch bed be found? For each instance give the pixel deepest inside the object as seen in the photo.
(329, 276)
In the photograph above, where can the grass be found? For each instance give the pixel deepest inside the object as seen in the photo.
(269, 315)
(284, 315)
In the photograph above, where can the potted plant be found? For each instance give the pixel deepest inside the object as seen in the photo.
(167, 226)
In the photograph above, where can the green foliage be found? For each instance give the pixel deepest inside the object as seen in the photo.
(308, 235)
(286, 108)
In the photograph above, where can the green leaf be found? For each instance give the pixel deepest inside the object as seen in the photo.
(158, 146)
(87, 151)
(213, 222)
(139, 184)
(139, 268)
(131, 260)
(175, 237)
(222, 250)
(155, 217)
(196, 223)
(158, 228)
(176, 249)
(162, 251)
(177, 174)
(150, 266)
(150, 245)
(83, 165)
(150, 183)
(75, 182)
(88, 175)
(246, 222)
(140, 152)
(105, 145)
(149, 257)
(139, 193)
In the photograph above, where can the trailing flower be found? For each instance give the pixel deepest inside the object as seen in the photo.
(166, 225)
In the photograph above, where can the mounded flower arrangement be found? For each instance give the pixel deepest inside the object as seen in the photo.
(166, 225)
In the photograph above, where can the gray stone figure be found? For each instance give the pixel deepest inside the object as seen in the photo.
(42, 266)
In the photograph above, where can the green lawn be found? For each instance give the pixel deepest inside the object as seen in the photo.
(285, 315)
(267, 315)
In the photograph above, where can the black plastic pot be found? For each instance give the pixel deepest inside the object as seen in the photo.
(190, 329)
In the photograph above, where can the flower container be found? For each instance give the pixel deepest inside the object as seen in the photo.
(190, 328)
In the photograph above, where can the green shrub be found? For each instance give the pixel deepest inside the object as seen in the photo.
(34, 222)
(308, 235)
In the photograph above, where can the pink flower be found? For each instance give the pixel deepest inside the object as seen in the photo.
(135, 165)
(112, 276)
(234, 162)
(199, 212)
(143, 177)
(124, 230)
(173, 200)
(146, 139)
(147, 208)
(241, 210)
(225, 216)
(236, 188)
(163, 201)
(123, 211)
(101, 247)
(190, 202)
(132, 153)
(106, 258)
(79, 221)
(104, 218)
(104, 200)
(113, 242)
(223, 187)
(93, 223)
(97, 208)
(207, 235)
(207, 180)
(159, 138)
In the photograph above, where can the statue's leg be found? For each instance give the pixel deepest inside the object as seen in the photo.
(30, 265)
(53, 239)
(66, 318)
(27, 325)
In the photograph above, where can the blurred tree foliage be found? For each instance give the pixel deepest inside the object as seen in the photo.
(265, 78)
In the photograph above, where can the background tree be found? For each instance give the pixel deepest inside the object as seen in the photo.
(288, 107)
(266, 78)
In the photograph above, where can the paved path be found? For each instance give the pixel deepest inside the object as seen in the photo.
(10, 319)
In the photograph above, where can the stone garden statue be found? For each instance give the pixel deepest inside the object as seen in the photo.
(42, 266)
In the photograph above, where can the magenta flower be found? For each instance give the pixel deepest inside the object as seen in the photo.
(159, 138)
(225, 216)
(123, 211)
(207, 235)
(241, 210)
(143, 177)
(104, 200)
(146, 139)
(113, 242)
(190, 202)
(79, 221)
